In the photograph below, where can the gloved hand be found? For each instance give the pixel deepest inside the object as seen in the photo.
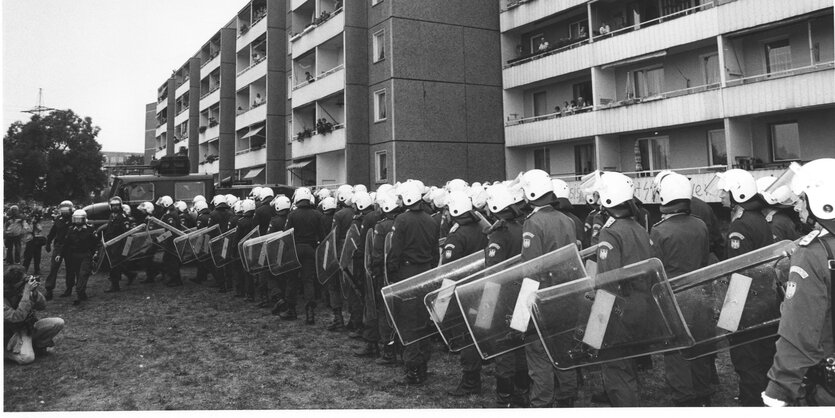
(769, 401)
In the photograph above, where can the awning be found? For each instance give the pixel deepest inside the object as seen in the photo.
(634, 60)
(253, 173)
(299, 164)
(252, 132)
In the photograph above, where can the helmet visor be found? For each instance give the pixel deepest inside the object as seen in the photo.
(780, 191)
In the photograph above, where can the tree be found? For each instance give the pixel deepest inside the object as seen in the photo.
(52, 158)
(137, 159)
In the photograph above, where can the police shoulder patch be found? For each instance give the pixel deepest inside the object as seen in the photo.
(799, 270)
(454, 228)
(805, 241)
(791, 289)
(610, 222)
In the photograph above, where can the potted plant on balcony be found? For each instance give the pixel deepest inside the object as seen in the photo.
(305, 133)
(212, 122)
(323, 126)
(211, 158)
(202, 129)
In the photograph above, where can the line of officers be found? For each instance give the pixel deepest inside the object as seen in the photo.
(531, 216)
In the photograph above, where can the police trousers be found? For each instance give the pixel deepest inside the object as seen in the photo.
(371, 311)
(304, 277)
(620, 379)
(688, 380)
(548, 383)
(416, 354)
(56, 258)
(751, 363)
(78, 271)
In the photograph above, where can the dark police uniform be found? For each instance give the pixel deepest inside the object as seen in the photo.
(342, 220)
(264, 214)
(57, 235)
(622, 242)
(782, 225)
(370, 328)
(413, 251)
(703, 211)
(806, 322)
(245, 285)
(465, 238)
(307, 224)
(681, 242)
(204, 267)
(547, 229)
(747, 232)
(79, 244)
(170, 262)
(222, 216)
(117, 225)
(384, 329)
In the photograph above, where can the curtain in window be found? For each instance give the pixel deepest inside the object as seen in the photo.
(654, 80)
(711, 64)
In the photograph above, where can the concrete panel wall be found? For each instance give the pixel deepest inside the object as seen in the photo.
(816, 129)
(194, 114)
(275, 171)
(226, 136)
(470, 13)
(150, 131)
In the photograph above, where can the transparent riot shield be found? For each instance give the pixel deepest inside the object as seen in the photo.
(132, 244)
(348, 279)
(252, 236)
(404, 299)
(623, 313)
(495, 308)
(281, 250)
(370, 300)
(224, 248)
(327, 261)
(98, 262)
(442, 306)
(163, 240)
(734, 302)
(184, 249)
(201, 241)
(386, 251)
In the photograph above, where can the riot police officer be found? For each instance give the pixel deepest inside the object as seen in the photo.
(220, 216)
(388, 202)
(342, 220)
(307, 224)
(201, 208)
(170, 262)
(117, 225)
(57, 235)
(367, 215)
(79, 245)
(805, 347)
(245, 287)
(562, 204)
(265, 212)
(779, 214)
(277, 284)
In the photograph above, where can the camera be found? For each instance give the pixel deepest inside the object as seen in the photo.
(34, 281)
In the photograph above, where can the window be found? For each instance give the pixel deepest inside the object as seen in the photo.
(584, 159)
(138, 192)
(380, 105)
(542, 159)
(381, 161)
(710, 66)
(186, 190)
(540, 103)
(582, 91)
(651, 154)
(648, 82)
(778, 56)
(578, 30)
(785, 141)
(718, 153)
(535, 41)
(379, 46)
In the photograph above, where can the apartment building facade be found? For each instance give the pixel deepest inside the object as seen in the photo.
(690, 85)
(326, 92)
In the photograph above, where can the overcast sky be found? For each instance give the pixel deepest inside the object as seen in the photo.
(101, 58)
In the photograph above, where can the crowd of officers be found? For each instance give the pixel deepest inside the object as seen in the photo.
(531, 216)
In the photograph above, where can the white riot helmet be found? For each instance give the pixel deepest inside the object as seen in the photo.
(200, 205)
(776, 194)
(500, 196)
(439, 198)
(65, 208)
(79, 217)
(166, 201)
(816, 179)
(739, 183)
(237, 207)
(302, 193)
(459, 203)
(231, 200)
(420, 186)
(248, 205)
(126, 209)
(219, 200)
(281, 202)
(674, 186)
(198, 198)
(615, 189)
(265, 193)
(410, 193)
(388, 202)
(535, 184)
(181, 206)
(362, 200)
(255, 193)
(328, 203)
(360, 188)
(323, 193)
(344, 194)
(384, 188)
(456, 185)
(479, 198)
(561, 189)
(146, 208)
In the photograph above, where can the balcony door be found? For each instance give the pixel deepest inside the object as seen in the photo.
(651, 154)
(540, 103)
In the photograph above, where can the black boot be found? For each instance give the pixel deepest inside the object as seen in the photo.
(310, 313)
(371, 350)
(338, 324)
(112, 289)
(470, 385)
(504, 392)
(415, 375)
(564, 403)
(67, 293)
(388, 355)
(521, 390)
(290, 314)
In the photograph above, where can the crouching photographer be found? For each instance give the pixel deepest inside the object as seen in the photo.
(24, 335)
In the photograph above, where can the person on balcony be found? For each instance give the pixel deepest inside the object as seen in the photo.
(604, 28)
(543, 45)
(582, 34)
(309, 77)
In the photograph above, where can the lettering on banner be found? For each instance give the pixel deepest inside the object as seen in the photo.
(443, 299)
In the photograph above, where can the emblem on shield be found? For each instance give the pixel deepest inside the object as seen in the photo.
(791, 287)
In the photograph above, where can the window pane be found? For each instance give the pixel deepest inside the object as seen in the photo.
(711, 64)
(785, 142)
(139, 191)
(381, 106)
(654, 81)
(382, 173)
(541, 159)
(660, 149)
(778, 56)
(187, 190)
(540, 104)
(718, 151)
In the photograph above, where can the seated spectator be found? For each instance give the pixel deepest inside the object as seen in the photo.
(543, 45)
(604, 28)
(582, 34)
(309, 77)
(337, 4)
(569, 109)
(24, 335)
(581, 102)
(557, 111)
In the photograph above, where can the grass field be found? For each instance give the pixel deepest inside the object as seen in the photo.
(150, 347)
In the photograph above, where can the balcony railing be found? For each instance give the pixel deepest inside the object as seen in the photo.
(241, 111)
(251, 65)
(563, 45)
(780, 74)
(512, 4)
(210, 58)
(212, 90)
(183, 109)
(513, 120)
(597, 35)
(321, 130)
(324, 17)
(319, 77)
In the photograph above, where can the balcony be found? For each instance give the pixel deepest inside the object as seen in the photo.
(317, 34)
(295, 4)
(326, 84)
(257, 29)
(516, 13)
(673, 108)
(319, 143)
(209, 134)
(182, 116)
(182, 89)
(554, 63)
(162, 105)
(249, 158)
(792, 89)
(255, 71)
(741, 14)
(210, 98)
(210, 65)
(162, 129)
(250, 116)
(209, 167)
